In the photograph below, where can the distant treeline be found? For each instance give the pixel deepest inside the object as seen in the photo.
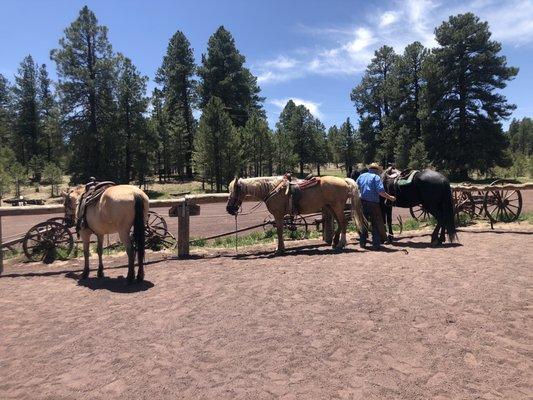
(441, 107)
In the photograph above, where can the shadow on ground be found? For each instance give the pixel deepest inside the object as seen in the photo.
(116, 285)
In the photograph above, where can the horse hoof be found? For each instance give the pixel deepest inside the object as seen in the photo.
(279, 252)
(100, 274)
(140, 279)
(84, 275)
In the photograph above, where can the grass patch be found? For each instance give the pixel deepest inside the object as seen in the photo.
(526, 217)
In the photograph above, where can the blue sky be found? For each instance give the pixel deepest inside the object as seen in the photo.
(311, 51)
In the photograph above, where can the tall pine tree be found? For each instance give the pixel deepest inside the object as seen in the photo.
(86, 71)
(223, 75)
(27, 126)
(176, 76)
(216, 154)
(464, 105)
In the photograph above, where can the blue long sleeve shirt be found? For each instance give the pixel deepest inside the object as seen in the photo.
(370, 186)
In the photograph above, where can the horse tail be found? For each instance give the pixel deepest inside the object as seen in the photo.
(449, 215)
(138, 228)
(357, 209)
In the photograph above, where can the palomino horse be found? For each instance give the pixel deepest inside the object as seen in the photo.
(432, 191)
(117, 210)
(331, 193)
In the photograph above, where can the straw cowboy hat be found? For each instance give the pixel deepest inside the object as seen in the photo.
(375, 165)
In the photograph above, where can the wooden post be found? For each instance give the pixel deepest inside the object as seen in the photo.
(1, 249)
(327, 226)
(183, 210)
(183, 230)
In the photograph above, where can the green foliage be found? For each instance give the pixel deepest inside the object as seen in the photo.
(521, 136)
(223, 75)
(36, 166)
(418, 156)
(6, 111)
(132, 105)
(256, 146)
(53, 175)
(27, 130)
(464, 105)
(216, 154)
(179, 92)
(86, 70)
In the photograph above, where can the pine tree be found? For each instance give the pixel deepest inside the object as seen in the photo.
(158, 125)
(6, 112)
(285, 155)
(374, 98)
(464, 106)
(176, 76)
(256, 145)
(223, 75)
(27, 126)
(407, 87)
(86, 70)
(52, 144)
(132, 105)
(216, 142)
(521, 136)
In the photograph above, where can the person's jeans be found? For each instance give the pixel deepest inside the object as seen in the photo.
(372, 212)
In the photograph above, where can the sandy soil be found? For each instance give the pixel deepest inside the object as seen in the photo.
(413, 322)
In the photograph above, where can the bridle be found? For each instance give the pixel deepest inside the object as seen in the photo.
(235, 204)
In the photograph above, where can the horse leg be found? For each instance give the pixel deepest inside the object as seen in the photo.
(126, 240)
(390, 236)
(435, 234)
(338, 213)
(442, 237)
(99, 250)
(279, 228)
(86, 238)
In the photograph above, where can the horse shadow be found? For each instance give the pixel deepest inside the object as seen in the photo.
(116, 285)
(423, 245)
(305, 250)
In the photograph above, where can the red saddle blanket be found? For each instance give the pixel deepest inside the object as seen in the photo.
(307, 183)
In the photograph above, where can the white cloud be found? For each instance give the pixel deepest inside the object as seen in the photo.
(312, 106)
(388, 18)
(347, 50)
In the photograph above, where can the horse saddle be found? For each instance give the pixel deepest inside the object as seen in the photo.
(93, 192)
(294, 191)
(401, 178)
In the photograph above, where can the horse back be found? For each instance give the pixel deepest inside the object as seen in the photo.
(115, 210)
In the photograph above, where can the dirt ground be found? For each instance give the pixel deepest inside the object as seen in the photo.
(412, 322)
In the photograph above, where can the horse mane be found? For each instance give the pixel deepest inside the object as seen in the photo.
(260, 187)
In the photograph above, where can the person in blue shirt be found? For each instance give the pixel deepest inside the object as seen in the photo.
(370, 188)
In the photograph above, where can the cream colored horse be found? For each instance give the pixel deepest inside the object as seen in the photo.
(117, 210)
(331, 194)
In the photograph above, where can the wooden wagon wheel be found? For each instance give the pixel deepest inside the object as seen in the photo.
(157, 236)
(463, 205)
(502, 205)
(419, 213)
(47, 242)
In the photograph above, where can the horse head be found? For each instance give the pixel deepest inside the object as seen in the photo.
(70, 202)
(236, 196)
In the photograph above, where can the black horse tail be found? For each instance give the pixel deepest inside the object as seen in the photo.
(138, 228)
(449, 215)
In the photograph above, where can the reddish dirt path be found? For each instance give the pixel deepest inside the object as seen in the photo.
(436, 323)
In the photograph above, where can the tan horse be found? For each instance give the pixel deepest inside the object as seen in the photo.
(331, 194)
(117, 210)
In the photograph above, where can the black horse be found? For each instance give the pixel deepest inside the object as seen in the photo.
(432, 191)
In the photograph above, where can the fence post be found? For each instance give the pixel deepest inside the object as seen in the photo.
(183, 230)
(1, 249)
(327, 226)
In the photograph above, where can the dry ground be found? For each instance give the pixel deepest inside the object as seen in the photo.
(425, 323)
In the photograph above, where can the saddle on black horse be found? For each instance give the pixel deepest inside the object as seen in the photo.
(93, 192)
(400, 184)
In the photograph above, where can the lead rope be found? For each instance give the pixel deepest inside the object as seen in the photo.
(236, 236)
